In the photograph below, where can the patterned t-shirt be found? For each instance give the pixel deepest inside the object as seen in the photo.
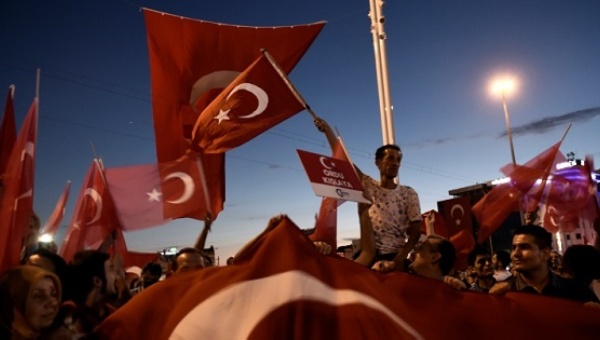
(391, 213)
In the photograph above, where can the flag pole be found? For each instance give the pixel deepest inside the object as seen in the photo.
(283, 76)
(200, 166)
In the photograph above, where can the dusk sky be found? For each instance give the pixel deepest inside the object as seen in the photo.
(442, 55)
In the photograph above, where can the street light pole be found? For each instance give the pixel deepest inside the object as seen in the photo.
(508, 130)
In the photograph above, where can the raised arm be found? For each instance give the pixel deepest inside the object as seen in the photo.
(324, 127)
(201, 241)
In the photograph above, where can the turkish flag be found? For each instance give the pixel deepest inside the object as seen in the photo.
(494, 208)
(94, 215)
(301, 294)
(17, 198)
(153, 194)
(459, 222)
(525, 177)
(255, 101)
(59, 212)
(191, 61)
(8, 132)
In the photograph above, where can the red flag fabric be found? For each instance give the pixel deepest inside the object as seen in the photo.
(300, 294)
(494, 208)
(8, 131)
(153, 194)
(525, 178)
(457, 214)
(255, 101)
(17, 198)
(192, 60)
(59, 212)
(570, 196)
(326, 224)
(94, 216)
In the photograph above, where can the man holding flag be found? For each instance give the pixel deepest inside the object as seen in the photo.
(395, 213)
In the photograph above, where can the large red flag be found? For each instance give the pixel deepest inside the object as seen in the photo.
(8, 131)
(17, 199)
(299, 294)
(59, 212)
(255, 101)
(192, 60)
(152, 194)
(94, 216)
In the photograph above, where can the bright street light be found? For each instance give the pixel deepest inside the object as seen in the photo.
(504, 86)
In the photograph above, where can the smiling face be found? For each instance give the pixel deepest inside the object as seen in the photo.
(527, 256)
(42, 304)
(389, 164)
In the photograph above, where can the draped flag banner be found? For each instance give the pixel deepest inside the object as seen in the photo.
(153, 194)
(17, 198)
(301, 294)
(252, 103)
(59, 212)
(191, 61)
(8, 131)
(94, 215)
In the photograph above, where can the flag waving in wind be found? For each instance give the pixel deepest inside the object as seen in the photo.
(152, 194)
(94, 216)
(59, 212)
(258, 99)
(191, 61)
(17, 199)
(8, 131)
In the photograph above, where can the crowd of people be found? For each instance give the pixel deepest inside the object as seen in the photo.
(47, 298)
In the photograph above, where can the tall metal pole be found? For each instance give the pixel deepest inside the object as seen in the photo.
(385, 105)
(508, 130)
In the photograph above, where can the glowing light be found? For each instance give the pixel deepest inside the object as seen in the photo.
(503, 86)
(45, 238)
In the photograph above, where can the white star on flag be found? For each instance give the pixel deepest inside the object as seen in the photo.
(223, 115)
(154, 195)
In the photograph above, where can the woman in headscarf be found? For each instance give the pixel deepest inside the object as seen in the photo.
(29, 300)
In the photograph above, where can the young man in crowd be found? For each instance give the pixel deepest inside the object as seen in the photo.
(481, 261)
(395, 211)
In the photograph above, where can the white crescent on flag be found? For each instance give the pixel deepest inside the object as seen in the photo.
(188, 184)
(95, 196)
(268, 294)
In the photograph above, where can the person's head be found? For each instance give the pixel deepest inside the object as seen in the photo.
(387, 159)
(501, 259)
(481, 261)
(531, 248)
(30, 300)
(92, 271)
(582, 263)
(434, 256)
(187, 259)
(555, 261)
(230, 261)
(51, 262)
(34, 229)
(151, 273)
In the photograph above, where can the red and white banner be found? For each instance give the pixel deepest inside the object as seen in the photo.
(300, 294)
(59, 212)
(332, 177)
